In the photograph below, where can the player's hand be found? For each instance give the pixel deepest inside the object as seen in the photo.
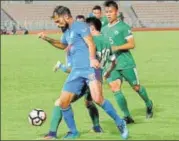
(115, 48)
(94, 63)
(106, 75)
(42, 35)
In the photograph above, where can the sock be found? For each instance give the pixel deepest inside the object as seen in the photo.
(109, 109)
(63, 67)
(94, 114)
(69, 119)
(143, 94)
(122, 103)
(56, 119)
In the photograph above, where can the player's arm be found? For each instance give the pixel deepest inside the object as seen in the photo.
(110, 67)
(84, 31)
(127, 34)
(92, 51)
(62, 67)
(54, 42)
(92, 48)
(129, 45)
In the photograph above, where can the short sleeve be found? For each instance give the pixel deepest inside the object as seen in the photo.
(127, 32)
(83, 29)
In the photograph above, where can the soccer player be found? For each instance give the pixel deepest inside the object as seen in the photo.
(85, 69)
(57, 113)
(122, 40)
(97, 12)
(103, 48)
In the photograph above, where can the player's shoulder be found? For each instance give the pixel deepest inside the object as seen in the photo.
(124, 24)
(104, 28)
(79, 24)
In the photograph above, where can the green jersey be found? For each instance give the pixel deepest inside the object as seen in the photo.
(103, 50)
(118, 35)
(104, 21)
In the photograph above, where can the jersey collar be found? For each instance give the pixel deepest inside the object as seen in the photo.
(111, 25)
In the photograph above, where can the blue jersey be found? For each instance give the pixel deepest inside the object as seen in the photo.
(68, 60)
(78, 49)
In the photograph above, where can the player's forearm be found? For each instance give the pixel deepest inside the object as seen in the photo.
(65, 68)
(111, 67)
(54, 42)
(92, 51)
(126, 46)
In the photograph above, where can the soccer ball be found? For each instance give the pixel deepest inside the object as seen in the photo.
(37, 117)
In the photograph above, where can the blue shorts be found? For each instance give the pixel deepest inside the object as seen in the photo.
(78, 77)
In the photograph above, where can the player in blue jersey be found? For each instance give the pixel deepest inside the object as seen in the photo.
(91, 107)
(85, 66)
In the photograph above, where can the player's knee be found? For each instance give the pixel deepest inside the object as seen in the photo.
(136, 88)
(99, 100)
(115, 87)
(57, 102)
(62, 103)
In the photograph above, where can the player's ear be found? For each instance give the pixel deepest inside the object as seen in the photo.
(66, 17)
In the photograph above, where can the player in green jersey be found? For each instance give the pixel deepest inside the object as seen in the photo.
(104, 54)
(121, 40)
(97, 12)
(103, 48)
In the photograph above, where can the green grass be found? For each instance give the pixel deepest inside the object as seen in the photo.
(27, 82)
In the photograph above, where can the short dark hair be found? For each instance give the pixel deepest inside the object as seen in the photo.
(80, 17)
(61, 10)
(97, 7)
(95, 22)
(111, 3)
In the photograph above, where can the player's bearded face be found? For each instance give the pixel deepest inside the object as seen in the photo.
(61, 23)
(111, 13)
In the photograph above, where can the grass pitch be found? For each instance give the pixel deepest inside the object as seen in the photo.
(27, 82)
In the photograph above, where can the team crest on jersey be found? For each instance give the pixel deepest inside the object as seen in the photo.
(116, 32)
(91, 77)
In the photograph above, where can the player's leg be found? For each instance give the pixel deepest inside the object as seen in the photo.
(72, 86)
(93, 111)
(97, 95)
(132, 77)
(55, 121)
(62, 67)
(115, 82)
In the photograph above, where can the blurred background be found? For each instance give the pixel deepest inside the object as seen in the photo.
(32, 15)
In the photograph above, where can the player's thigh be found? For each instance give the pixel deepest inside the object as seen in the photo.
(115, 80)
(74, 83)
(87, 98)
(96, 91)
(131, 76)
(83, 93)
